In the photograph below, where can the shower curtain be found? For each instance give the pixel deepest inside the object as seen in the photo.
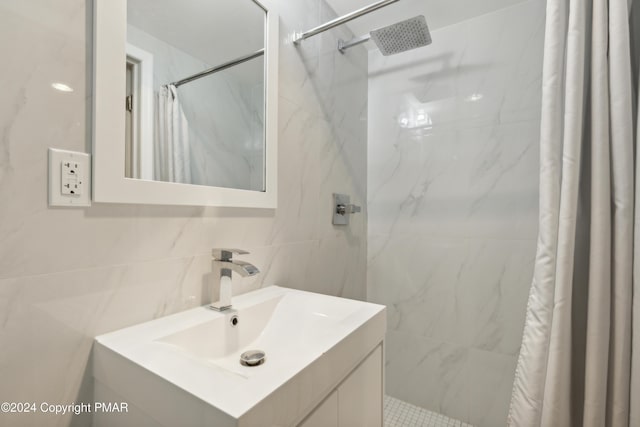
(579, 361)
(172, 162)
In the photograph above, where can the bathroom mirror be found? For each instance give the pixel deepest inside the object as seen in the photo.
(185, 98)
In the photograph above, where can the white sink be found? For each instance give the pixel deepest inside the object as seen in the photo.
(192, 359)
(217, 339)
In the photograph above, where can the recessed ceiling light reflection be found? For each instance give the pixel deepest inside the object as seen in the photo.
(61, 87)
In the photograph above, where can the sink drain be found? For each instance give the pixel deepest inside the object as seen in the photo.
(234, 320)
(252, 358)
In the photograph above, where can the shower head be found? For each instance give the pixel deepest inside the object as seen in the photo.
(402, 36)
(396, 38)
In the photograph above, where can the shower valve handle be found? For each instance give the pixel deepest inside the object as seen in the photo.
(342, 209)
(347, 209)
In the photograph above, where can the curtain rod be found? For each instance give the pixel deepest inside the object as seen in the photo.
(220, 67)
(342, 19)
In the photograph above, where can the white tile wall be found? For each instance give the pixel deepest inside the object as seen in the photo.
(67, 275)
(452, 208)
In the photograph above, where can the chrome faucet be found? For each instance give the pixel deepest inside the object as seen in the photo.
(223, 259)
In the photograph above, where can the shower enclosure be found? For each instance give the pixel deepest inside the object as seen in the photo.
(452, 182)
(453, 134)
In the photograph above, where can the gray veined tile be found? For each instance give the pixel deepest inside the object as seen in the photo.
(480, 183)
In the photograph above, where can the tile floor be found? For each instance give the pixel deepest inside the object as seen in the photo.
(402, 414)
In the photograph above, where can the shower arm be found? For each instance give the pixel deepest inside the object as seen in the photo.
(342, 19)
(344, 45)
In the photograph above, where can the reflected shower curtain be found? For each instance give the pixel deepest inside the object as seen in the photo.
(172, 162)
(580, 354)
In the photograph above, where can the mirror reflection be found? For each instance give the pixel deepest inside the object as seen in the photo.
(195, 104)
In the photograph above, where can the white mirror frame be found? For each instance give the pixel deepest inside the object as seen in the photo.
(109, 182)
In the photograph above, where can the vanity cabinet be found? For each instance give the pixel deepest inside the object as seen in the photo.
(325, 415)
(357, 401)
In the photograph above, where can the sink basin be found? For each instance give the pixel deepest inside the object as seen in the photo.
(192, 359)
(283, 325)
(198, 341)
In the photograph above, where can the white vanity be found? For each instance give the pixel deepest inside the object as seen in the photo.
(323, 365)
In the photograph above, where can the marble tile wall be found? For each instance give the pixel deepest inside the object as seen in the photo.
(67, 275)
(452, 209)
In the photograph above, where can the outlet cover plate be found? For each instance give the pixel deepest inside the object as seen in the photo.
(61, 162)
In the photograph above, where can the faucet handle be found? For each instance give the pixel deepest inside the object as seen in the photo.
(225, 254)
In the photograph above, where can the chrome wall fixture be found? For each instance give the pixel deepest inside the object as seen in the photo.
(342, 19)
(342, 209)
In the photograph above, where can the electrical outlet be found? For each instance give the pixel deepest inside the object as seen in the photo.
(71, 180)
(69, 175)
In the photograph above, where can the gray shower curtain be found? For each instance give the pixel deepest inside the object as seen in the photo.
(580, 354)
